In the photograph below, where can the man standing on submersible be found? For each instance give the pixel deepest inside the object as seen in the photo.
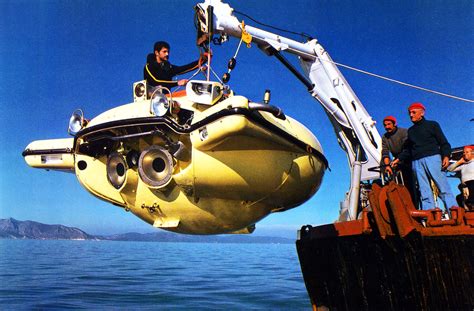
(158, 71)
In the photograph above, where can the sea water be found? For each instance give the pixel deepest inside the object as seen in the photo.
(102, 275)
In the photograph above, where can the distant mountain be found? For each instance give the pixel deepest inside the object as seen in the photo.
(15, 229)
(164, 236)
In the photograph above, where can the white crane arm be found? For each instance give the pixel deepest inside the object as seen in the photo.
(354, 127)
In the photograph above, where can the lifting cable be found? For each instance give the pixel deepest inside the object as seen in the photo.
(303, 34)
(232, 62)
(399, 82)
(238, 48)
(199, 69)
(245, 37)
(356, 69)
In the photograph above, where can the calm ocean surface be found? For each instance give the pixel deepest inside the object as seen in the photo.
(143, 275)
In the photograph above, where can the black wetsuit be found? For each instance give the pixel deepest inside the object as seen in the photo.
(162, 73)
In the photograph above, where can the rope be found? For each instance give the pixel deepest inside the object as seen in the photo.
(302, 34)
(209, 59)
(399, 82)
(194, 74)
(356, 69)
(190, 78)
(238, 48)
(215, 74)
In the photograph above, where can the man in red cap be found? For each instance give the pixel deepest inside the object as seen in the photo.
(392, 142)
(429, 151)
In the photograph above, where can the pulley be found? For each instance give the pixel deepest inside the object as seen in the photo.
(231, 64)
(247, 38)
(226, 77)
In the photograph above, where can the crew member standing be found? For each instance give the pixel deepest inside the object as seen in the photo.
(465, 165)
(158, 71)
(429, 151)
(392, 143)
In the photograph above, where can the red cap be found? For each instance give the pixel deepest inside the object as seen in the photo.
(469, 147)
(416, 106)
(390, 118)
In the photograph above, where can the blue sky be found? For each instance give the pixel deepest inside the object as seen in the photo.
(56, 56)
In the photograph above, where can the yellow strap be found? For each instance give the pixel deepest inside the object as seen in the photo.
(246, 37)
(162, 81)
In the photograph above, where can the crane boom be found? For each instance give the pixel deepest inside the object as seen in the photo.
(354, 127)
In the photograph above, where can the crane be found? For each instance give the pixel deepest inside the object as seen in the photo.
(354, 127)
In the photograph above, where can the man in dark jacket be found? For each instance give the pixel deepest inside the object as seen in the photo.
(392, 143)
(159, 71)
(429, 151)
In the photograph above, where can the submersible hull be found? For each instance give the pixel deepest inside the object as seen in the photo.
(388, 260)
(196, 162)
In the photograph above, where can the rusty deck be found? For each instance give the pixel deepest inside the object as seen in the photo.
(394, 258)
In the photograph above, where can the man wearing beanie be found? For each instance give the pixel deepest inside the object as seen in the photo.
(429, 151)
(392, 142)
